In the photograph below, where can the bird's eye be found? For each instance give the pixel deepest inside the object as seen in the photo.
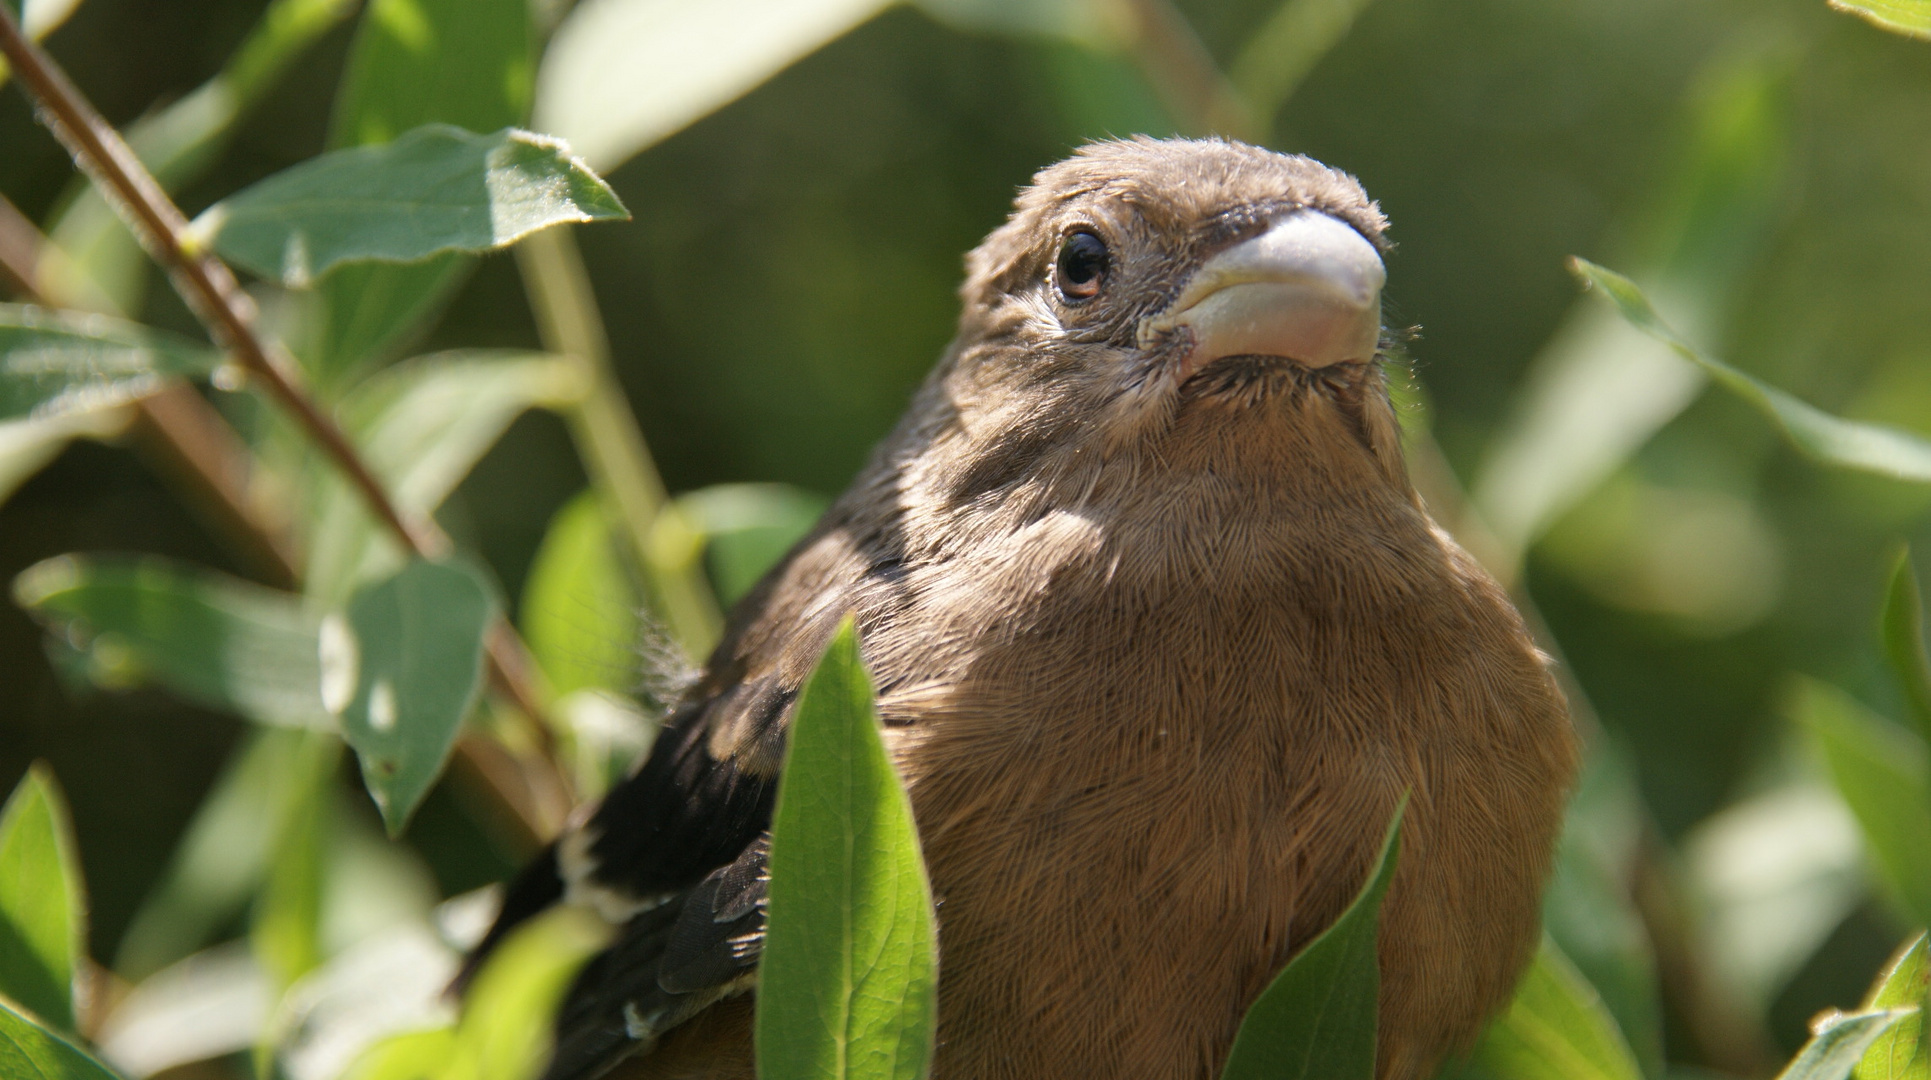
(1081, 266)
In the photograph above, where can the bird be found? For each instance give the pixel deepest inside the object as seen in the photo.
(1162, 634)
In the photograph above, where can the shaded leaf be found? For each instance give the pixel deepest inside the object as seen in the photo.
(1881, 771)
(747, 528)
(31, 1052)
(507, 1029)
(43, 905)
(1898, 1054)
(285, 933)
(402, 671)
(1555, 1028)
(27, 446)
(579, 609)
(620, 75)
(54, 364)
(209, 637)
(1318, 1018)
(848, 978)
(438, 188)
(1901, 631)
(1910, 17)
(1839, 1043)
(1085, 21)
(1875, 448)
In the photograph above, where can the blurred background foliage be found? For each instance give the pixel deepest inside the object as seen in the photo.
(788, 278)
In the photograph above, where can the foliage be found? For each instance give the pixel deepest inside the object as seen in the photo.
(289, 930)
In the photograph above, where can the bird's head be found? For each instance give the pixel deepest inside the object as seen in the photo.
(1145, 287)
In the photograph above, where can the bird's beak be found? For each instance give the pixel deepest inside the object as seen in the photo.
(1308, 289)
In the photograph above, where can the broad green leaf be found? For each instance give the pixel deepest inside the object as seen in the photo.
(621, 75)
(1910, 17)
(1898, 1054)
(43, 905)
(402, 671)
(1880, 770)
(416, 62)
(747, 528)
(579, 609)
(1319, 1016)
(412, 1055)
(847, 984)
(422, 426)
(31, 1052)
(285, 933)
(206, 636)
(1555, 1029)
(1901, 629)
(508, 1021)
(1839, 1043)
(52, 364)
(1875, 448)
(438, 188)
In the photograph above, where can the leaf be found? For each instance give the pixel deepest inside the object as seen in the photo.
(1555, 1028)
(27, 446)
(1319, 1016)
(1909, 17)
(1839, 1043)
(1087, 22)
(43, 905)
(56, 364)
(206, 636)
(285, 934)
(1901, 631)
(1881, 772)
(508, 1020)
(31, 1052)
(579, 609)
(1876, 448)
(412, 1055)
(747, 528)
(1284, 50)
(402, 671)
(1898, 1054)
(847, 985)
(438, 188)
(210, 1005)
(621, 75)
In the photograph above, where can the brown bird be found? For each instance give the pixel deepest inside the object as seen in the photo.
(1161, 633)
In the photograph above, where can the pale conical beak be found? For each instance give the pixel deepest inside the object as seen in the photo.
(1308, 289)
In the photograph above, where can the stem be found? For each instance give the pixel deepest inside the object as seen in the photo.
(1183, 72)
(606, 433)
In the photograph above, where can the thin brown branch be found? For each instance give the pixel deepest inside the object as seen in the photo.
(19, 252)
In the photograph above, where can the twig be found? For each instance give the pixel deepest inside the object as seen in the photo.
(19, 251)
(212, 292)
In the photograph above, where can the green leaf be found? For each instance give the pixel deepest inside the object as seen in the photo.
(1319, 1016)
(622, 75)
(1875, 448)
(412, 1055)
(206, 636)
(438, 188)
(43, 905)
(285, 934)
(53, 364)
(1555, 1029)
(27, 446)
(1284, 50)
(31, 1052)
(402, 671)
(1898, 1054)
(1881, 771)
(1086, 22)
(508, 1020)
(847, 983)
(747, 528)
(1839, 1043)
(1901, 629)
(579, 609)
(1909, 17)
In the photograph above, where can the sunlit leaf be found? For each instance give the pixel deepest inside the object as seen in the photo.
(1319, 1016)
(1875, 448)
(211, 1004)
(43, 905)
(206, 636)
(55, 363)
(848, 979)
(508, 1022)
(620, 75)
(1555, 1029)
(1898, 1054)
(1839, 1043)
(1912, 17)
(1881, 771)
(31, 1052)
(747, 528)
(402, 671)
(412, 1055)
(1901, 630)
(579, 609)
(438, 188)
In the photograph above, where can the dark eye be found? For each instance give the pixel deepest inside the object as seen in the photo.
(1081, 266)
